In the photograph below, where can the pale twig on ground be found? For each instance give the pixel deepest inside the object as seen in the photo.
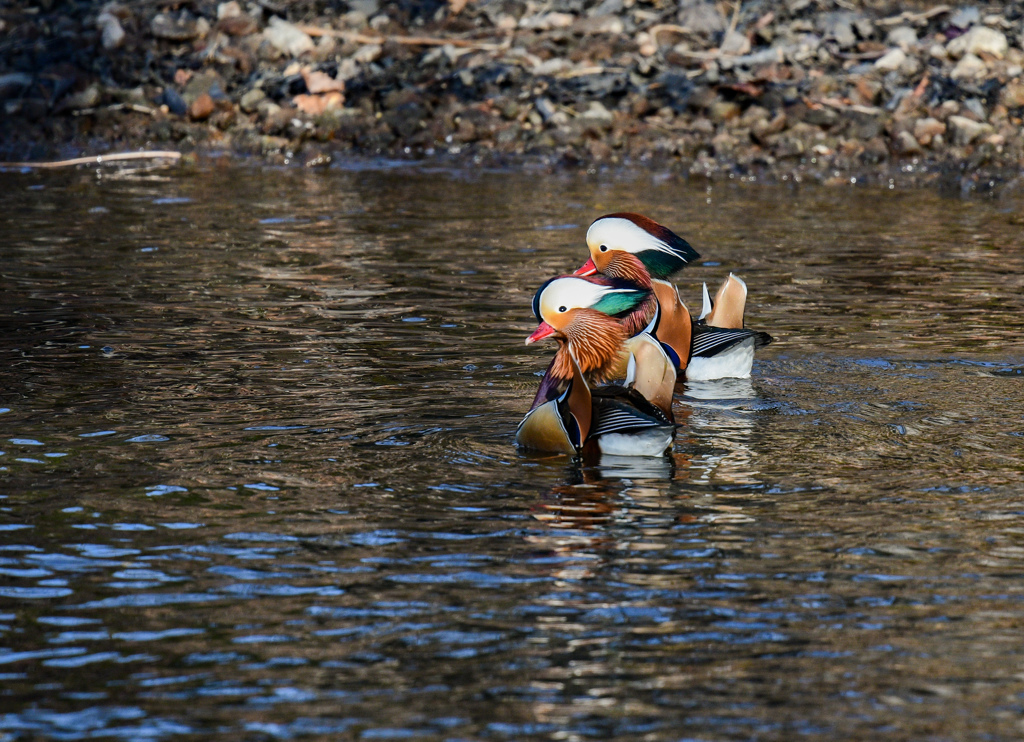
(100, 159)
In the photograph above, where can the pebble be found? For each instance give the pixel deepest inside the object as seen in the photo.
(287, 38)
(979, 40)
(891, 60)
(965, 130)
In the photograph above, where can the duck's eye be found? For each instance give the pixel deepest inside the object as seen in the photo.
(562, 309)
(603, 248)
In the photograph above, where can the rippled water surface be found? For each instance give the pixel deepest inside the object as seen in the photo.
(258, 476)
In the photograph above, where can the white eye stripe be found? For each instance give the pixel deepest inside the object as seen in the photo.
(625, 235)
(564, 294)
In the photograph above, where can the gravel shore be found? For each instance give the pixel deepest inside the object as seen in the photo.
(830, 90)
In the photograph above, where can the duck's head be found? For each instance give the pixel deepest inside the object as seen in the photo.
(585, 314)
(636, 248)
(567, 305)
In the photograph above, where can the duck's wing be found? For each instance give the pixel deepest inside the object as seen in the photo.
(705, 305)
(562, 424)
(651, 371)
(617, 409)
(729, 304)
(709, 341)
(674, 327)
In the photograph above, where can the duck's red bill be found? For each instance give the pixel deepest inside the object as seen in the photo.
(587, 269)
(543, 330)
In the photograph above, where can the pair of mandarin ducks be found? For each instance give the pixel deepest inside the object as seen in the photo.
(624, 337)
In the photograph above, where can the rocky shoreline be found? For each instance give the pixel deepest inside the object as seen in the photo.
(833, 91)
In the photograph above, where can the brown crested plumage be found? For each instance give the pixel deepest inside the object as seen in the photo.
(626, 265)
(596, 340)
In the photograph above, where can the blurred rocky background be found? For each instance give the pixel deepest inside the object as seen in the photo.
(830, 89)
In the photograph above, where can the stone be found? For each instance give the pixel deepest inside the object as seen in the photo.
(546, 21)
(965, 130)
(701, 17)
(1012, 96)
(902, 36)
(969, 67)
(13, 83)
(597, 112)
(321, 82)
(722, 110)
(965, 17)
(88, 98)
(229, 9)
(839, 27)
(174, 102)
(251, 100)
(891, 60)
(979, 40)
(206, 82)
(926, 129)
(111, 32)
(238, 25)
(287, 38)
(735, 43)
(170, 28)
(907, 144)
(201, 108)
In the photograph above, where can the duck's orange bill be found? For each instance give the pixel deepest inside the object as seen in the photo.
(542, 331)
(587, 269)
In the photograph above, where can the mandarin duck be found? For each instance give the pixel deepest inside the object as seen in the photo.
(639, 249)
(631, 419)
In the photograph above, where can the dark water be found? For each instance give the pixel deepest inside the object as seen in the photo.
(258, 478)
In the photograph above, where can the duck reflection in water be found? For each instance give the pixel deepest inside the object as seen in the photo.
(722, 419)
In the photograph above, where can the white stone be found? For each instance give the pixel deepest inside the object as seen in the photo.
(891, 60)
(965, 130)
(287, 38)
(979, 39)
(968, 68)
(902, 36)
(228, 10)
(597, 112)
(111, 33)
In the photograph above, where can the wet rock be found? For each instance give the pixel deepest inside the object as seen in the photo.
(965, 131)
(926, 129)
(287, 38)
(979, 40)
(182, 27)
